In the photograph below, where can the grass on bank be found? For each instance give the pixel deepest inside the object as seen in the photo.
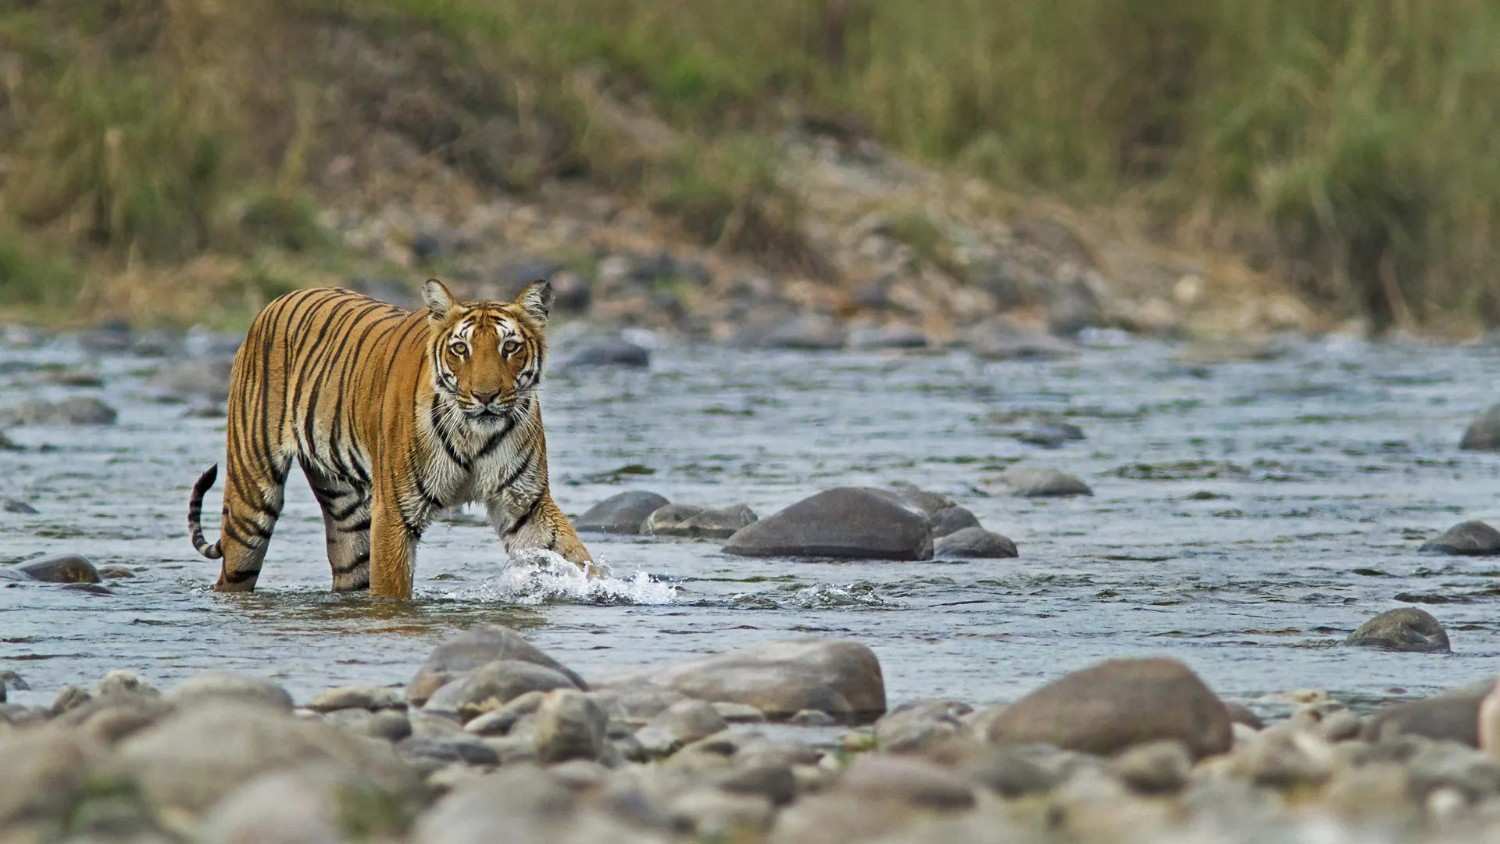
(1345, 146)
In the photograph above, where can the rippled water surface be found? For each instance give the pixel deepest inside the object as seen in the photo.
(1247, 515)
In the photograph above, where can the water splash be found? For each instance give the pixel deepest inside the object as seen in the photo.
(539, 577)
(861, 594)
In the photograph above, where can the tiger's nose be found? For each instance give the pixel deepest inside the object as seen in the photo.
(486, 398)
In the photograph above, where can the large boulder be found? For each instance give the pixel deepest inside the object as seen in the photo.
(191, 760)
(472, 649)
(1472, 538)
(1483, 434)
(1404, 629)
(610, 351)
(688, 520)
(1116, 704)
(69, 569)
(621, 513)
(839, 677)
(849, 522)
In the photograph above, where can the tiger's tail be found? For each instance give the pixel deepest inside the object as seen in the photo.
(195, 512)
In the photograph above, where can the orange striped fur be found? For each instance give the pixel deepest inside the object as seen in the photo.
(393, 416)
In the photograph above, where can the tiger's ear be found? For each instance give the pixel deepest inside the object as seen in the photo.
(438, 298)
(536, 300)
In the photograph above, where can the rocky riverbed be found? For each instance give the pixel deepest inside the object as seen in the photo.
(492, 739)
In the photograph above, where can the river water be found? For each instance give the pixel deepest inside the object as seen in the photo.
(1248, 513)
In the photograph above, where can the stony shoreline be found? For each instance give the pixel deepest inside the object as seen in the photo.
(781, 742)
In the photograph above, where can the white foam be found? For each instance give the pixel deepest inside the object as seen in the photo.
(543, 577)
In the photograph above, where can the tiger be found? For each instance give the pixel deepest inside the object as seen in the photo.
(394, 416)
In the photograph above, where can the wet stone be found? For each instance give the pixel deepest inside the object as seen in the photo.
(493, 685)
(867, 338)
(1483, 434)
(11, 505)
(474, 648)
(1404, 629)
(498, 722)
(697, 522)
(1451, 716)
(974, 543)
(429, 754)
(218, 686)
(847, 522)
(569, 725)
(115, 572)
(621, 513)
(738, 713)
(952, 519)
(357, 697)
(913, 726)
(682, 723)
(79, 410)
(907, 780)
(613, 351)
(1472, 538)
(1155, 768)
(1029, 482)
(70, 569)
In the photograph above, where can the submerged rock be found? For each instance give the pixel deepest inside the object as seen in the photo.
(472, 649)
(841, 678)
(1472, 538)
(688, 520)
(975, 543)
(69, 569)
(1117, 704)
(613, 351)
(1404, 629)
(1483, 434)
(951, 520)
(849, 522)
(79, 410)
(1029, 482)
(623, 512)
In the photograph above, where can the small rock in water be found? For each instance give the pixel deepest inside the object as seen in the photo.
(202, 379)
(1048, 434)
(7, 444)
(1117, 704)
(473, 648)
(780, 679)
(688, 520)
(1404, 629)
(70, 569)
(621, 513)
(614, 351)
(1003, 340)
(1483, 434)
(115, 572)
(886, 337)
(951, 520)
(1042, 483)
(1472, 538)
(569, 725)
(11, 505)
(847, 522)
(973, 543)
(79, 410)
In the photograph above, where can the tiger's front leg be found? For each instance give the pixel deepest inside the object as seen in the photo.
(538, 523)
(393, 550)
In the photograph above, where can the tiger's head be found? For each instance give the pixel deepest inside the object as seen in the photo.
(487, 356)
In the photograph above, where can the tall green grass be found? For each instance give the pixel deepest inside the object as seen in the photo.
(1343, 145)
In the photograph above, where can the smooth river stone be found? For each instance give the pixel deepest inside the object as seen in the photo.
(1029, 482)
(846, 522)
(973, 543)
(839, 677)
(1116, 704)
(70, 569)
(621, 513)
(1472, 538)
(1404, 629)
(1450, 716)
(1483, 434)
(472, 649)
(688, 520)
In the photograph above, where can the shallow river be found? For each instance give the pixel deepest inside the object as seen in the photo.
(1247, 515)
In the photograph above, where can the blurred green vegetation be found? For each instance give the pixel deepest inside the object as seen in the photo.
(1343, 145)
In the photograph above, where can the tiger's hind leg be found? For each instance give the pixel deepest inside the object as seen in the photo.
(251, 507)
(346, 524)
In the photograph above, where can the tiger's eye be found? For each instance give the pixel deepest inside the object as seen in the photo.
(459, 348)
(510, 348)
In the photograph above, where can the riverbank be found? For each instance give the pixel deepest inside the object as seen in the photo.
(779, 742)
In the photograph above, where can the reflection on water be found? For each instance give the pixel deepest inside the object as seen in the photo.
(1246, 516)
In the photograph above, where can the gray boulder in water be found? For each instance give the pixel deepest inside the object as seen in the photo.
(624, 512)
(1042, 483)
(615, 351)
(80, 410)
(1404, 629)
(1472, 538)
(688, 520)
(847, 522)
(1117, 704)
(974, 543)
(1483, 434)
(839, 677)
(69, 569)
